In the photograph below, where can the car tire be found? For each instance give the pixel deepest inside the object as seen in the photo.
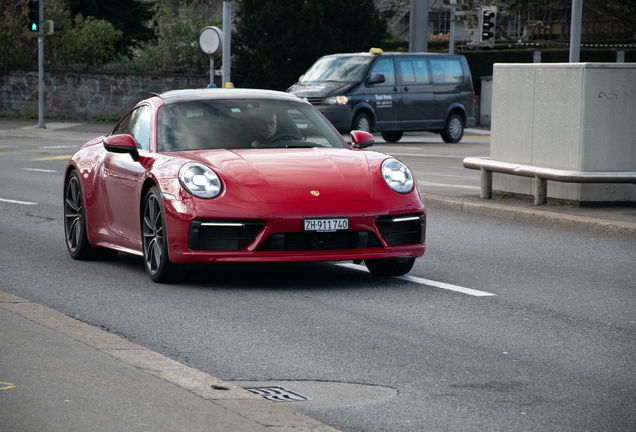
(454, 129)
(389, 266)
(154, 239)
(75, 231)
(392, 136)
(361, 122)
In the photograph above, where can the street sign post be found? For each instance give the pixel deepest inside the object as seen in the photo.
(211, 43)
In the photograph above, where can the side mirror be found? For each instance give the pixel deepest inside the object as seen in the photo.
(361, 139)
(376, 79)
(122, 144)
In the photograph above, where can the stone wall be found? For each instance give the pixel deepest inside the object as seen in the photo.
(84, 96)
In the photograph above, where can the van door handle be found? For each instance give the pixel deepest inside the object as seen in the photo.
(406, 89)
(395, 89)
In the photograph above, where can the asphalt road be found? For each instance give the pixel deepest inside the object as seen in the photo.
(501, 326)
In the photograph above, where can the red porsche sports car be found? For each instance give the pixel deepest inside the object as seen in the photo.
(222, 175)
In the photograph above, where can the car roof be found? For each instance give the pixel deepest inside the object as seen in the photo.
(176, 96)
(388, 54)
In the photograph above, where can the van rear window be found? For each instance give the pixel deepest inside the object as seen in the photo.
(446, 71)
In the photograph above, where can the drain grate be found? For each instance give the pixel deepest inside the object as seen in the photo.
(278, 394)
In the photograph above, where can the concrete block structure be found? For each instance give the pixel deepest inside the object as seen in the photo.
(566, 116)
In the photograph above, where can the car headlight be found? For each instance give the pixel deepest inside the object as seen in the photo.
(397, 176)
(337, 100)
(199, 180)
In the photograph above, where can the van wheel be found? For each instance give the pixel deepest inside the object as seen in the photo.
(361, 122)
(454, 130)
(392, 136)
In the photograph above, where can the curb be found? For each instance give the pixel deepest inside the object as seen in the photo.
(537, 216)
(235, 399)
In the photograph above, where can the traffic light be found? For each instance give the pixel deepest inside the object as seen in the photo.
(34, 15)
(488, 22)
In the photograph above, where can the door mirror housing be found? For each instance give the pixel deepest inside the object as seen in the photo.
(361, 139)
(376, 79)
(122, 144)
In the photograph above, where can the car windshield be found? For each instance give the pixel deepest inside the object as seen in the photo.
(243, 124)
(338, 68)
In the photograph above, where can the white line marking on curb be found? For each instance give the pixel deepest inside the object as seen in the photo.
(18, 202)
(428, 282)
(39, 170)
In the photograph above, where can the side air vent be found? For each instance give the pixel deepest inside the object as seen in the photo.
(217, 235)
(403, 229)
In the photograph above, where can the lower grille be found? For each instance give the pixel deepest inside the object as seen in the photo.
(222, 235)
(304, 241)
(402, 230)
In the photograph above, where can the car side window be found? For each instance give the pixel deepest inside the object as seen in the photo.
(137, 124)
(447, 71)
(386, 68)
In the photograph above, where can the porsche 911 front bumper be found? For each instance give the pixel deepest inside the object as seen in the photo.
(274, 232)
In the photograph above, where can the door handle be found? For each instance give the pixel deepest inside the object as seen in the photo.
(406, 89)
(395, 89)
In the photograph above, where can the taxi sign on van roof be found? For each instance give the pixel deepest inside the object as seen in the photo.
(376, 51)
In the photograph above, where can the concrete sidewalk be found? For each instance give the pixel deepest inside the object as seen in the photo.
(59, 374)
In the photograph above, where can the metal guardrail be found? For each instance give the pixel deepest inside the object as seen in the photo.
(541, 176)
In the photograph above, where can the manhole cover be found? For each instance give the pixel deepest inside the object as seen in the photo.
(278, 394)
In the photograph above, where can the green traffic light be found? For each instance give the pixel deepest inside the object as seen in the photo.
(34, 27)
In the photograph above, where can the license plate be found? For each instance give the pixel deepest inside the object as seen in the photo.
(326, 225)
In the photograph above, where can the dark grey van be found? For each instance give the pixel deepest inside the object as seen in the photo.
(392, 93)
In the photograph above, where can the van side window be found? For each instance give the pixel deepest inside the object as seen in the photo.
(414, 71)
(446, 71)
(386, 68)
(408, 74)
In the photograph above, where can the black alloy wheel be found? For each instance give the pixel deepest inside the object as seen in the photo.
(74, 219)
(155, 243)
(75, 224)
(389, 266)
(454, 129)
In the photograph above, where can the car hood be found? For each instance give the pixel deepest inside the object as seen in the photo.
(295, 175)
(320, 88)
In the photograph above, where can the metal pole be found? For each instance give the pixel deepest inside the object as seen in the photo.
(227, 34)
(575, 30)
(211, 72)
(41, 67)
(451, 42)
(418, 26)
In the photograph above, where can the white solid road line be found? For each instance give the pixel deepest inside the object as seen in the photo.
(428, 282)
(39, 170)
(18, 202)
